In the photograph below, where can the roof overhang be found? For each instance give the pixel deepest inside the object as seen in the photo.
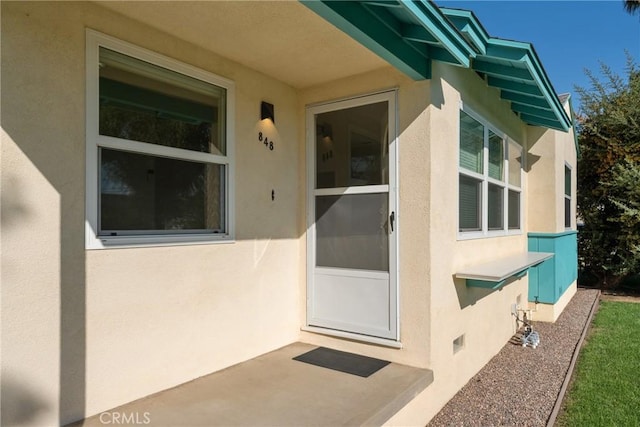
(515, 69)
(410, 34)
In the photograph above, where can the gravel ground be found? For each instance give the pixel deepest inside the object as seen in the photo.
(520, 385)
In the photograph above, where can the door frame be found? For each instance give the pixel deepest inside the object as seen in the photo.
(311, 111)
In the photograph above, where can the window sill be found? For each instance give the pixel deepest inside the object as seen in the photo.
(473, 235)
(121, 242)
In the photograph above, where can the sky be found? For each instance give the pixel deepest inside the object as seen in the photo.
(568, 36)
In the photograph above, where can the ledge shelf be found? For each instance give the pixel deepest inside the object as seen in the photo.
(494, 274)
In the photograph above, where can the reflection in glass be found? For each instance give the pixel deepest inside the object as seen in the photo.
(141, 192)
(514, 210)
(351, 231)
(496, 156)
(469, 199)
(496, 207)
(143, 102)
(352, 146)
(515, 164)
(471, 143)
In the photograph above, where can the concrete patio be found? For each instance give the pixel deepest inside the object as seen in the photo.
(274, 390)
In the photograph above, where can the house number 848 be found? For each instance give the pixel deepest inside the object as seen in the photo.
(265, 141)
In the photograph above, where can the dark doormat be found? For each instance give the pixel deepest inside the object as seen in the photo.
(349, 363)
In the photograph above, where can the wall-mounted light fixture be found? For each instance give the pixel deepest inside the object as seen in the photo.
(325, 131)
(267, 111)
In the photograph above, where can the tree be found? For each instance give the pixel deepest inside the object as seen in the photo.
(632, 6)
(609, 175)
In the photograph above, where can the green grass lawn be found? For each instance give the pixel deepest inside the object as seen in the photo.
(606, 386)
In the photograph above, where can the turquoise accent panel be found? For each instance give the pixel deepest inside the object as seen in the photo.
(549, 280)
(484, 284)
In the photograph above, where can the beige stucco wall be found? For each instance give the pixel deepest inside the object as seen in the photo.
(482, 316)
(570, 156)
(435, 309)
(84, 331)
(549, 151)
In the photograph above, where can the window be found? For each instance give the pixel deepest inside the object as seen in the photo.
(567, 197)
(159, 152)
(490, 181)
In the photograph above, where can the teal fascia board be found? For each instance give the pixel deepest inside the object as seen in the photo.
(516, 87)
(547, 91)
(518, 52)
(467, 23)
(499, 70)
(534, 111)
(391, 29)
(358, 22)
(540, 121)
(524, 99)
(432, 18)
(541, 78)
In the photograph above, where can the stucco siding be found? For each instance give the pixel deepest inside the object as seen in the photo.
(85, 331)
(482, 316)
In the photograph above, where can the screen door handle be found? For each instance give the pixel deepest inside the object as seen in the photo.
(392, 219)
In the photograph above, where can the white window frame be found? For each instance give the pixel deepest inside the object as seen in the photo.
(95, 141)
(485, 180)
(568, 197)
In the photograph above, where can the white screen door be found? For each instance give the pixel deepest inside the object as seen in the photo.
(352, 220)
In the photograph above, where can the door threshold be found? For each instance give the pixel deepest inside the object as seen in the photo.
(384, 342)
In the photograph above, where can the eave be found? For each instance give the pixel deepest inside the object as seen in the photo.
(408, 35)
(515, 69)
(411, 34)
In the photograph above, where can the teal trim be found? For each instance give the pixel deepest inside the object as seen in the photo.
(362, 25)
(521, 274)
(408, 34)
(433, 20)
(504, 52)
(487, 284)
(534, 111)
(467, 23)
(540, 121)
(549, 280)
(552, 235)
(511, 86)
(510, 60)
(499, 70)
(523, 99)
(417, 33)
